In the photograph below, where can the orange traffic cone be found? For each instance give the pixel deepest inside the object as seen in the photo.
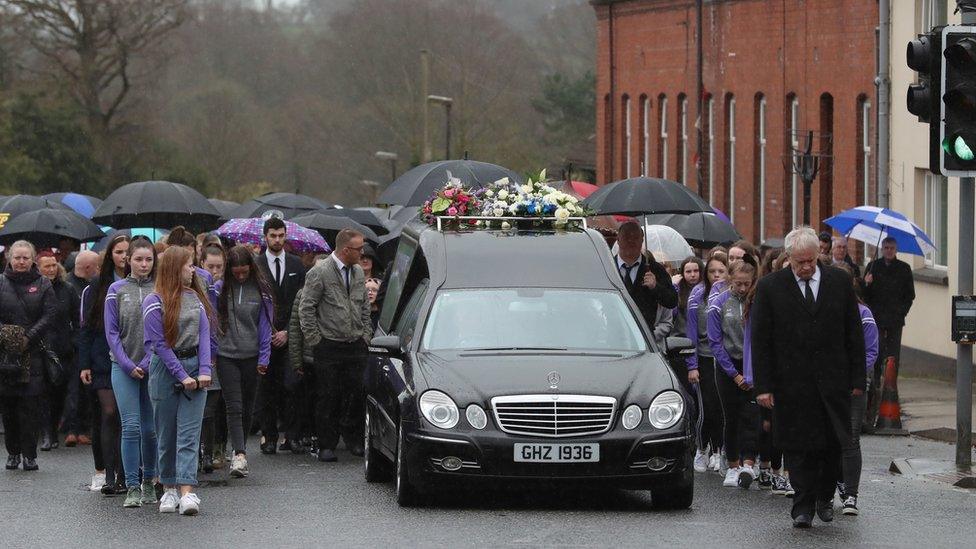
(889, 413)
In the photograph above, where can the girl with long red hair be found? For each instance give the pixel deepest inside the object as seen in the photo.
(178, 320)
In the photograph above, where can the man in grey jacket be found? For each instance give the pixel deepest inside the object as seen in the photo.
(335, 322)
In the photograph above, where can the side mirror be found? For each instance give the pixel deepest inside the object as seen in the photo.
(388, 345)
(679, 347)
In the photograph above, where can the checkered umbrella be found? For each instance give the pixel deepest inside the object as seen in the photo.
(871, 224)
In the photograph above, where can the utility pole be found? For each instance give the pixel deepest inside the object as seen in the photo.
(701, 104)
(425, 110)
(964, 353)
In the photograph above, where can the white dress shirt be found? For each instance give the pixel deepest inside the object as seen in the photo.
(346, 274)
(621, 265)
(271, 263)
(814, 284)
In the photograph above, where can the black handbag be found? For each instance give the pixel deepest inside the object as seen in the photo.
(53, 369)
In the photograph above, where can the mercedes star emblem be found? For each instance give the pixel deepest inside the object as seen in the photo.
(553, 378)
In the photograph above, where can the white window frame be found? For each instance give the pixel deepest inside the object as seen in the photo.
(762, 169)
(795, 143)
(684, 141)
(731, 159)
(664, 137)
(647, 136)
(627, 138)
(935, 204)
(866, 148)
(711, 149)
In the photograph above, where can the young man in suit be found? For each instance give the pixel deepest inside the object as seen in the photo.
(808, 361)
(287, 276)
(646, 280)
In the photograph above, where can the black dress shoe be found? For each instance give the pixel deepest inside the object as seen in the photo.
(13, 462)
(356, 451)
(802, 521)
(269, 448)
(825, 510)
(327, 455)
(30, 464)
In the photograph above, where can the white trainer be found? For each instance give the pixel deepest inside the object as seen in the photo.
(701, 462)
(746, 475)
(713, 462)
(238, 466)
(731, 478)
(169, 502)
(189, 504)
(98, 480)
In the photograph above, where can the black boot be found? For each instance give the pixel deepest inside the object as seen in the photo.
(30, 464)
(13, 462)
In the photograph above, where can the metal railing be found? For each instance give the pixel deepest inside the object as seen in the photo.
(511, 220)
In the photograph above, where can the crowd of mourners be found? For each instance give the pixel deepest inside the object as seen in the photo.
(166, 356)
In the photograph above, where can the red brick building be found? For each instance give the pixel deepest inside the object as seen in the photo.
(772, 70)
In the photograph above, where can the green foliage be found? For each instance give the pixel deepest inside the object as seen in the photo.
(568, 107)
(43, 149)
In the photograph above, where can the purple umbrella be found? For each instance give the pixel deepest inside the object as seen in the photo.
(250, 231)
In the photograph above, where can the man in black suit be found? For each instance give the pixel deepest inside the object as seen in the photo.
(808, 360)
(287, 275)
(646, 280)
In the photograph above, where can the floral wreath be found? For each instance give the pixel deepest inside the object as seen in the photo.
(536, 198)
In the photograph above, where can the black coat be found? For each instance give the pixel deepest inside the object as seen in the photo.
(891, 293)
(28, 300)
(648, 300)
(64, 328)
(293, 278)
(809, 359)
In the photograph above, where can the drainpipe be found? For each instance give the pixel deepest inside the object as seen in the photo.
(883, 82)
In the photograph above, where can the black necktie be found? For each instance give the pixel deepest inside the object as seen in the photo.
(345, 277)
(278, 271)
(627, 281)
(808, 294)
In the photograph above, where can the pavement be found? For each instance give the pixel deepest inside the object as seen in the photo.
(929, 408)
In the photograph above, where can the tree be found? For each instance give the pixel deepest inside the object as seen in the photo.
(98, 48)
(568, 106)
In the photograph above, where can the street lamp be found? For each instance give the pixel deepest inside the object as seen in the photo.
(446, 102)
(390, 157)
(372, 187)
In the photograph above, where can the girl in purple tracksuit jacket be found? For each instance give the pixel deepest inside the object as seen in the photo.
(130, 368)
(729, 338)
(177, 320)
(701, 368)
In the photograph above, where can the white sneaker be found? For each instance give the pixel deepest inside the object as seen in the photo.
(713, 462)
(746, 475)
(701, 462)
(98, 480)
(723, 464)
(731, 478)
(189, 504)
(238, 466)
(169, 502)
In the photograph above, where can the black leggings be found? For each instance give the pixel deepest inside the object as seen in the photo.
(20, 423)
(712, 414)
(212, 413)
(109, 430)
(741, 419)
(53, 408)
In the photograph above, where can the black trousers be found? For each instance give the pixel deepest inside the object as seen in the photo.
(77, 403)
(712, 415)
(767, 448)
(339, 409)
(21, 415)
(274, 408)
(742, 422)
(814, 473)
(237, 382)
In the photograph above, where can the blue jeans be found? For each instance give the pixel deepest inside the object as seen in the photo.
(179, 417)
(138, 430)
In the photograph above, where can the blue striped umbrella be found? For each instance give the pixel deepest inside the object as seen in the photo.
(871, 224)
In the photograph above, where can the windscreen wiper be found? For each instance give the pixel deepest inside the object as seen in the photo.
(518, 349)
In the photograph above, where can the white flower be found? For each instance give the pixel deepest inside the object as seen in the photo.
(503, 194)
(562, 214)
(542, 175)
(489, 193)
(498, 212)
(527, 188)
(506, 225)
(513, 208)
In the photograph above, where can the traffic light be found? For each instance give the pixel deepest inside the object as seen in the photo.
(957, 131)
(925, 57)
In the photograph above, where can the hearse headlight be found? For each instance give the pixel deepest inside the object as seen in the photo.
(476, 416)
(631, 417)
(439, 409)
(666, 410)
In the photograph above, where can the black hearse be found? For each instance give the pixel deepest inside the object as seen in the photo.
(517, 355)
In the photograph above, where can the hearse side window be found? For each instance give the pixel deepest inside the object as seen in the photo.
(394, 283)
(407, 323)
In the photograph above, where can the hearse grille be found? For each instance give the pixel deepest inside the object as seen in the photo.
(554, 415)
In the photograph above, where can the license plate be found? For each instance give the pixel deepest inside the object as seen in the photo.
(557, 453)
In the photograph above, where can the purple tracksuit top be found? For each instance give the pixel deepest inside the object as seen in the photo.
(155, 340)
(716, 339)
(870, 337)
(123, 323)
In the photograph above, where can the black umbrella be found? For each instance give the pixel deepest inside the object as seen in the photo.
(148, 232)
(701, 230)
(329, 226)
(640, 196)
(289, 204)
(45, 228)
(363, 216)
(418, 184)
(386, 247)
(157, 204)
(13, 206)
(225, 207)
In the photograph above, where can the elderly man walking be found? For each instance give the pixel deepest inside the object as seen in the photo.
(334, 315)
(808, 360)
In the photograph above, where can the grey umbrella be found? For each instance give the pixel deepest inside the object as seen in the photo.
(225, 207)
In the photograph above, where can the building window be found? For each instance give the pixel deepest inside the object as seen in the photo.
(683, 152)
(645, 136)
(759, 225)
(794, 137)
(928, 14)
(662, 151)
(865, 151)
(730, 156)
(710, 150)
(936, 197)
(627, 135)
